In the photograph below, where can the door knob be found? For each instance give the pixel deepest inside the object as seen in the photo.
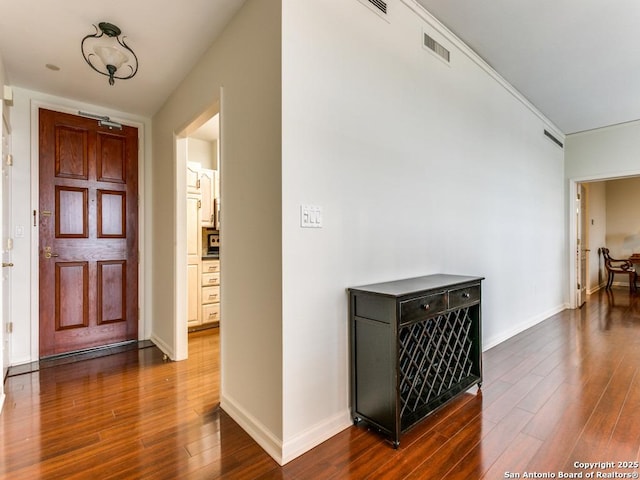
(48, 254)
(5, 264)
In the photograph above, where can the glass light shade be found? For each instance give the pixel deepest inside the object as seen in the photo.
(111, 55)
(116, 59)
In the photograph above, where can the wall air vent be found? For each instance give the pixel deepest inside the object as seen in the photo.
(435, 47)
(553, 139)
(377, 6)
(380, 5)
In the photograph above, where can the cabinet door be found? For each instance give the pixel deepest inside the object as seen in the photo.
(207, 185)
(193, 177)
(194, 260)
(194, 236)
(194, 310)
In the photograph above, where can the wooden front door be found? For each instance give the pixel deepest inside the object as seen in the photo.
(88, 234)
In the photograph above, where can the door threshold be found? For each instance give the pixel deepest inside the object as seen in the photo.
(78, 356)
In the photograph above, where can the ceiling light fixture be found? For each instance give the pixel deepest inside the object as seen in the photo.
(108, 54)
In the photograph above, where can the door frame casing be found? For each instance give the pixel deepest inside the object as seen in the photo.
(573, 228)
(582, 275)
(143, 328)
(5, 288)
(181, 347)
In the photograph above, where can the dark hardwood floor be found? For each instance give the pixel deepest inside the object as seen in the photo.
(564, 391)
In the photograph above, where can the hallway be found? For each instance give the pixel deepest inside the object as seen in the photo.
(564, 391)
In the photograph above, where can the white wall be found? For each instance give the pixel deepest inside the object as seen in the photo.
(202, 152)
(604, 153)
(245, 62)
(420, 168)
(24, 347)
(623, 217)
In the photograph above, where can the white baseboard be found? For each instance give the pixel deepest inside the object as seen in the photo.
(521, 327)
(256, 429)
(593, 290)
(166, 349)
(284, 452)
(315, 435)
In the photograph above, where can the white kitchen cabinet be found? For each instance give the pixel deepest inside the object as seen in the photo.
(210, 291)
(207, 191)
(194, 260)
(193, 177)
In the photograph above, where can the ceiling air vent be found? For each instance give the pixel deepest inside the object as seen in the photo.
(377, 6)
(435, 47)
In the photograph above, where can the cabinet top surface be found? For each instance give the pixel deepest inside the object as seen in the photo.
(408, 286)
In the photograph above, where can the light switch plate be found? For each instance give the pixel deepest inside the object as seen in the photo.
(310, 216)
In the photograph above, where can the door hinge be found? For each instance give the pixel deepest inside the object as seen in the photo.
(578, 197)
(198, 183)
(579, 287)
(9, 327)
(199, 203)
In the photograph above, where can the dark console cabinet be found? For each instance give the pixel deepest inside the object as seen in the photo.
(415, 344)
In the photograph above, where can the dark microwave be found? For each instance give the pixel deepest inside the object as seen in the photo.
(213, 243)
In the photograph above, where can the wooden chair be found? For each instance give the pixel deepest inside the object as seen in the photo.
(614, 266)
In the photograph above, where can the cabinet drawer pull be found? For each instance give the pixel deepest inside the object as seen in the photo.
(424, 306)
(466, 295)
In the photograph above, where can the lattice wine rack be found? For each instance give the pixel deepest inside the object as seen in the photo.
(415, 344)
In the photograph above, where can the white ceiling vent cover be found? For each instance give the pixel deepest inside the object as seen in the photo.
(379, 7)
(435, 47)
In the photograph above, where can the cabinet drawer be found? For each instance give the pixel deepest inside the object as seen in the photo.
(464, 296)
(209, 279)
(210, 266)
(210, 294)
(211, 313)
(422, 307)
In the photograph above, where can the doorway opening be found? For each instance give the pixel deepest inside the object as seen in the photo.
(601, 215)
(199, 232)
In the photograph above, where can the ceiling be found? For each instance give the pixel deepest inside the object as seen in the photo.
(577, 61)
(168, 37)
